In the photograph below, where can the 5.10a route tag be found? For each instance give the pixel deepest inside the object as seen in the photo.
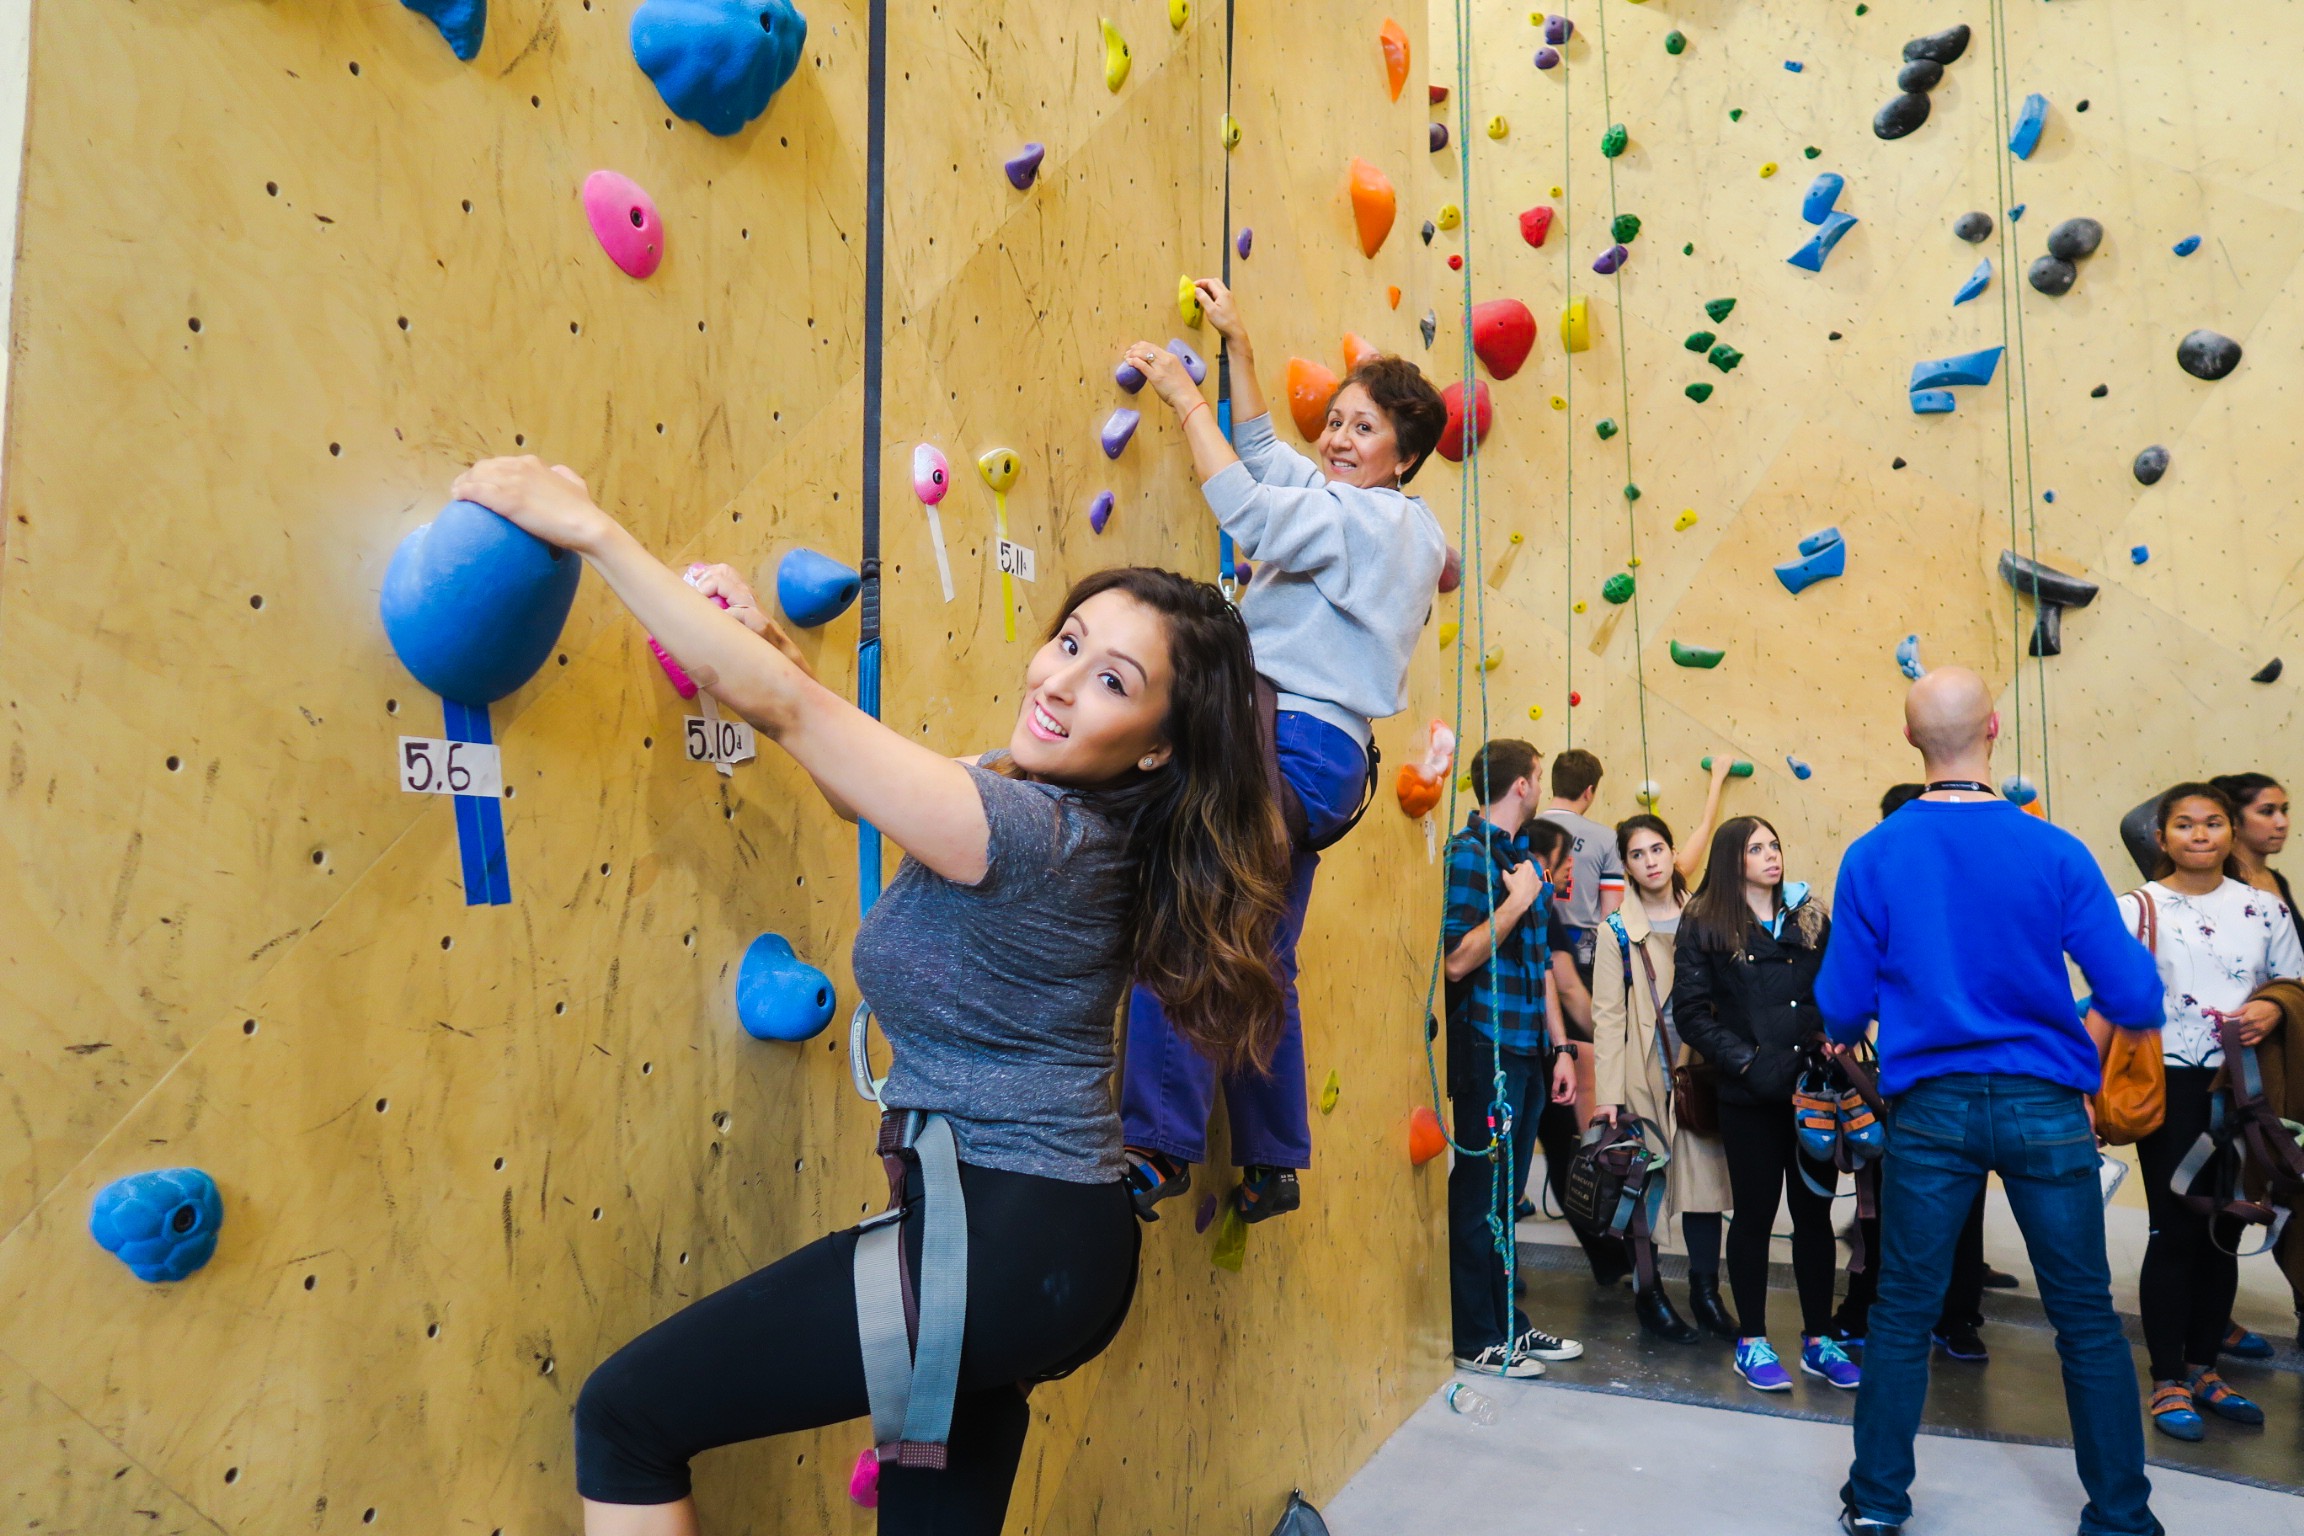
(719, 741)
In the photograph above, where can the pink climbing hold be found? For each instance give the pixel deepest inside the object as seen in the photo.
(682, 683)
(624, 218)
(1451, 572)
(864, 1482)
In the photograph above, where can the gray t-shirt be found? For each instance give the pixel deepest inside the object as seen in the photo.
(1597, 865)
(1000, 998)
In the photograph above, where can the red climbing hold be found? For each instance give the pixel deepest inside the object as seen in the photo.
(1536, 223)
(1452, 435)
(1456, 263)
(1451, 572)
(1503, 334)
(1439, 93)
(1575, 699)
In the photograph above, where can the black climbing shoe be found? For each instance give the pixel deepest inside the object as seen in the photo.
(1266, 1192)
(1962, 1343)
(1525, 1210)
(1154, 1177)
(1658, 1318)
(1705, 1307)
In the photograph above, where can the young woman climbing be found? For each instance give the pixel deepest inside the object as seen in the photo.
(2217, 940)
(1345, 569)
(1633, 1037)
(1126, 833)
(1744, 995)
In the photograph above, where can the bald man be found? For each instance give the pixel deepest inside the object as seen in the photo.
(1952, 921)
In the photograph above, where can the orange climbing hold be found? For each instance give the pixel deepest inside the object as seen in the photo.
(1426, 1140)
(1374, 206)
(1393, 293)
(1358, 349)
(1395, 43)
(1420, 784)
(1310, 388)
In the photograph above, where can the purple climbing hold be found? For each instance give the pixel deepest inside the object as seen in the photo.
(1242, 241)
(1547, 58)
(1025, 165)
(1129, 377)
(1437, 137)
(1100, 511)
(1118, 428)
(1609, 260)
(1190, 359)
(1204, 1215)
(1558, 29)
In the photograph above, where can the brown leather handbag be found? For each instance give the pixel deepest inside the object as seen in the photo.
(2134, 1097)
(1695, 1096)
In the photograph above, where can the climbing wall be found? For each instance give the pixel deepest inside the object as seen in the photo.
(283, 269)
(2159, 123)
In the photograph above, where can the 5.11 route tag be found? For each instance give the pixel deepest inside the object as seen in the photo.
(434, 767)
(719, 741)
(1017, 560)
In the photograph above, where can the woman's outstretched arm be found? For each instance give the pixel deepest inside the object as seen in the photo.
(925, 803)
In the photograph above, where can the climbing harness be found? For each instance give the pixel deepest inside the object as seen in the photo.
(1614, 1186)
(2242, 1129)
(875, 266)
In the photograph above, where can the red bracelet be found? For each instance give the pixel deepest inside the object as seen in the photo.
(1197, 405)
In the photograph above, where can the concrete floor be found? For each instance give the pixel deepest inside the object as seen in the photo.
(1568, 1462)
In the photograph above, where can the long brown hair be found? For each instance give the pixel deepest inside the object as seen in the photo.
(1718, 911)
(1210, 852)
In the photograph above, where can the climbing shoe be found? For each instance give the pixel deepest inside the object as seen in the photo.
(1154, 1177)
(2210, 1391)
(1999, 1279)
(1495, 1361)
(1524, 1209)
(2241, 1344)
(1825, 1358)
(1816, 1115)
(1756, 1362)
(2173, 1414)
(1545, 1346)
(1266, 1192)
(1962, 1343)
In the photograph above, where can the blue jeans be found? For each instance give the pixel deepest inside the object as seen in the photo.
(1169, 1087)
(1944, 1135)
(1480, 1304)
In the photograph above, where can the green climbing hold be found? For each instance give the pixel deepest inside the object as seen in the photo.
(1698, 392)
(1725, 357)
(1613, 141)
(1695, 655)
(1811, 151)
(1675, 42)
(1631, 493)
(1617, 588)
(1735, 114)
(1736, 770)
(1689, 249)
(1626, 229)
(1699, 341)
(1720, 309)
(1860, 10)
(1606, 427)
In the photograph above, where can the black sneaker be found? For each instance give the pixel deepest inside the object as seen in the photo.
(1856, 1525)
(1963, 1343)
(1999, 1279)
(1153, 1177)
(1266, 1192)
(1525, 1210)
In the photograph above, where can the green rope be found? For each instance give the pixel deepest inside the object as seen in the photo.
(1568, 414)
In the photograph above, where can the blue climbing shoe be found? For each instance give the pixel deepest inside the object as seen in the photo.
(1756, 1362)
(2210, 1391)
(2173, 1414)
(1824, 1357)
(1154, 1177)
(2242, 1344)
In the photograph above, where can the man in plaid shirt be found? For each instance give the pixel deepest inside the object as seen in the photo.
(1502, 1008)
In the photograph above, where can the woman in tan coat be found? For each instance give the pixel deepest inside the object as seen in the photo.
(1631, 986)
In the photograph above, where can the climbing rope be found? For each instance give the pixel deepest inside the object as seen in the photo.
(1227, 563)
(1567, 410)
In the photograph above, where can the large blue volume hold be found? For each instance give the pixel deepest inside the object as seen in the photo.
(780, 996)
(474, 605)
(814, 589)
(1811, 256)
(1966, 368)
(717, 62)
(461, 22)
(161, 1224)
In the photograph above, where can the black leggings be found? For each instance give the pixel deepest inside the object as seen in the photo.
(1764, 1160)
(1051, 1271)
(2188, 1283)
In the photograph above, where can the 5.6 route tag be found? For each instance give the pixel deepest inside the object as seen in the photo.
(1017, 561)
(719, 741)
(433, 767)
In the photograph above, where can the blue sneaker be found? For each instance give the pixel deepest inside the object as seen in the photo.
(1824, 1357)
(1756, 1362)
(2242, 1344)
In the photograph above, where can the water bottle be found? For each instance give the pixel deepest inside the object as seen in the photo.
(1473, 1405)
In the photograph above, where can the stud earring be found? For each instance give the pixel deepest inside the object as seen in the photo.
(1147, 763)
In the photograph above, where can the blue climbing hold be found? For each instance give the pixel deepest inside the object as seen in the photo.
(461, 22)
(814, 589)
(1933, 402)
(161, 1224)
(2030, 119)
(1908, 658)
(1963, 368)
(780, 996)
(717, 62)
(1811, 256)
(1823, 192)
(2187, 245)
(1822, 556)
(1978, 281)
(2017, 212)
(2018, 790)
(2048, 496)
(2139, 555)
(1800, 770)
(1794, 65)
(473, 605)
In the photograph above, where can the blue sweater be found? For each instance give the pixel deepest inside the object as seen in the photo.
(1950, 926)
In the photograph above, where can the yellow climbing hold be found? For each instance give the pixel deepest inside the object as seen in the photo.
(1634, 562)
(1579, 608)
(1559, 402)
(1231, 131)
(1116, 58)
(1497, 127)
(1463, 782)
(1448, 632)
(1556, 192)
(1330, 1092)
(1685, 521)
(1188, 301)
(1767, 169)
(1516, 538)
(1230, 1250)
(1492, 660)
(1450, 217)
(1535, 711)
(998, 468)
(1576, 326)
(1179, 14)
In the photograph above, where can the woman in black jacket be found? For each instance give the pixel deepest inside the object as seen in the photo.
(1744, 995)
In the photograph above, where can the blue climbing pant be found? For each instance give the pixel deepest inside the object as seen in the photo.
(1169, 1087)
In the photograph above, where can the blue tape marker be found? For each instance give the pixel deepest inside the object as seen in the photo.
(867, 835)
(1227, 563)
(479, 818)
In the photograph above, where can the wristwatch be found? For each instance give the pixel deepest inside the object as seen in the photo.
(1567, 1048)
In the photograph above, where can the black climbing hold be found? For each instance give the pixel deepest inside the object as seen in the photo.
(1975, 228)
(1832, 336)
(2100, 391)
(1429, 230)
(1900, 116)
(2267, 673)
(2075, 238)
(1438, 137)
(1943, 47)
(1430, 326)
(2151, 464)
(1898, 464)
(2206, 355)
(2052, 591)
(1919, 75)
(2083, 106)
(2052, 276)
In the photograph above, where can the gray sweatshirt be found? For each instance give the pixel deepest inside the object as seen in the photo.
(1344, 579)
